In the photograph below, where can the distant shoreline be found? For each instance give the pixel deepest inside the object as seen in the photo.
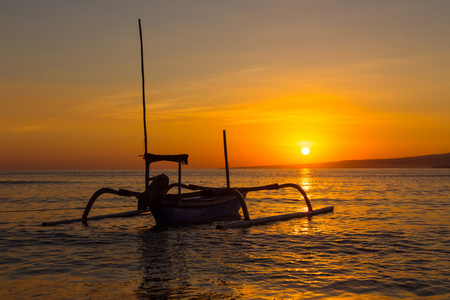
(423, 161)
(435, 161)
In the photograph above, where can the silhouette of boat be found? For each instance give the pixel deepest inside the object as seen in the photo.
(198, 205)
(202, 204)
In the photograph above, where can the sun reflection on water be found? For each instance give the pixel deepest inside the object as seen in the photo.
(302, 227)
(386, 240)
(305, 179)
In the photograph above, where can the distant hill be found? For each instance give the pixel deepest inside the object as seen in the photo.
(424, 161)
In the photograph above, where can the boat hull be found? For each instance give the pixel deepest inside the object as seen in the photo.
(195, 209)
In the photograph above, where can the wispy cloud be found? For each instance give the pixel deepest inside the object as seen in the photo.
(26, 128)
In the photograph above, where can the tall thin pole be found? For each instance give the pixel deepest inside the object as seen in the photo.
(226, 158)
(147, 165)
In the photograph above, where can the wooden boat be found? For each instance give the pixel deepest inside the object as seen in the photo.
(189, 207)
(196, 208)
(200, 204)
(204, 204)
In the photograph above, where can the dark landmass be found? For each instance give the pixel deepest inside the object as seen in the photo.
(424, 161)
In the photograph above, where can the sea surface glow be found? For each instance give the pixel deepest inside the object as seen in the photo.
(387, 239)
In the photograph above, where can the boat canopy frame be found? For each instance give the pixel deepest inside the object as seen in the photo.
(181, 159)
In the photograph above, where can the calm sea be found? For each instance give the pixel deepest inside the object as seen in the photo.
(387, 239)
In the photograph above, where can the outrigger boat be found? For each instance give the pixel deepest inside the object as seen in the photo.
(201, 204)
(198, 205)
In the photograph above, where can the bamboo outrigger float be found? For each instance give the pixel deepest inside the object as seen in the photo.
(198, 205)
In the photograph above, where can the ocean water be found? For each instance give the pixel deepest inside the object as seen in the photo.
(387, 239)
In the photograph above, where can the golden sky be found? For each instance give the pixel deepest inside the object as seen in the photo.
(348, 79)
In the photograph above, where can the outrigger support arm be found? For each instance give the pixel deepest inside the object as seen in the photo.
(94, 197)
(98, 193)
(296, 186)
(259, 221)
(239, 191)
(275, 186)
(241, 199)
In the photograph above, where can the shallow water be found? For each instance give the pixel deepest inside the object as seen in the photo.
(387, 239)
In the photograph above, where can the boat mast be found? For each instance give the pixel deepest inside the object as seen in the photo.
(227, 169)
(147, 165)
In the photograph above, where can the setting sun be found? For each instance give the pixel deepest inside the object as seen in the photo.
(305, 151)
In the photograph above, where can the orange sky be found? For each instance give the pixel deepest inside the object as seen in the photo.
(349, 79)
